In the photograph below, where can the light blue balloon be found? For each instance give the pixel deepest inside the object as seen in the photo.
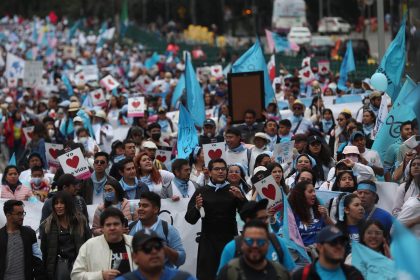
(379, 82)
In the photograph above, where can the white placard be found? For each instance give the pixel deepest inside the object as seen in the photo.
(91, 72)
(136, 107)
(75, 163)
(203, 73)
(283, 152)
(323, 67)
(69, 52)
(28, 131)
(109, 83)
(51, 153)
(213, 151)
(33, 74)
(15, 67)
(98, 97)
(164, 156)
(268, 188)
(216, 71)
(306, 75)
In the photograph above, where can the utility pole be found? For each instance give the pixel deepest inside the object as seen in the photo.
(381, 28)
(321, 9)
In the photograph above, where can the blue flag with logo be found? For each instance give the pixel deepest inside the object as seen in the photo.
(405, 250)
(67, 84)
(393, 63)
(347, 65)
(179, 89)
(12, 160)
(151, 61)
(187, 134)
(73, 30)
(281, 44)
(401, 111)
(253, 60)
(86, 122)
(414, 100)
(371, 264)
(195, 97)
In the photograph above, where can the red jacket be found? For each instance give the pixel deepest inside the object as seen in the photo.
(9, 133)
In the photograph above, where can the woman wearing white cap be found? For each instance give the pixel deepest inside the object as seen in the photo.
(103, 131)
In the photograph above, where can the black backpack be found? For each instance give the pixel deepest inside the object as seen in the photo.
(273, 240)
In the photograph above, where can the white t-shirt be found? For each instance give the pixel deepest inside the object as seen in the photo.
(409, 211)
(372, 157)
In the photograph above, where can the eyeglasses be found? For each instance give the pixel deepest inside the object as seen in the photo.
(19, 214)
(99, 162)
(219, 168)
(149, 246)
(339, 120)
(338, 241)
(251, 241)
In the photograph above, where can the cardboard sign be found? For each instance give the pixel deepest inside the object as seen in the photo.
(98, 97)
(109, 83)
(203, 73)
(28, 131)
(79, 78)
(136, 107)
(213, 151)
(51, 153)
(306, 74)
(33, 74)
(323, 67)
(306, 62)
(164, 155)
(283, 152)
(144, 83)
(268, 188)
(75, 163)
(216, 71)
(209, 113)
(69, 52)
(91, 72)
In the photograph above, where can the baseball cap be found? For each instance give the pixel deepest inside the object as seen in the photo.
(356, 134)
(149, 145)
(143, 236)
(250, 208)
(328, 233)
(77, 119)
(351, 150)
(67, 180)
(299, 137)
(314, 138)
(262, 135)
(375, 94)
(209, 122)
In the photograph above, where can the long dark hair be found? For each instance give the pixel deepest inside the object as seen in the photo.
(340, 174)
(77, 221)
(410, 177)
(270, 168)
(259, 159)
(314, 178)
(324, 158)
(298, 203)
(348, 199)
(6, 170)
(119, 192)
(380, 226)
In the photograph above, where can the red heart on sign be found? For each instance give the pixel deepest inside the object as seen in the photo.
(146, 82)
(81, 77)
(111, 82)
(97, 95)
(306, 74)
(269, 191)
(306, 64)
(73, 162)
(53, 152)
(161, 158)
(213, 154)
(136, 104)
(324, 69)
(216, 70)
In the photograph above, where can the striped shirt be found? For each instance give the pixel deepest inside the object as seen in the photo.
(15, 257)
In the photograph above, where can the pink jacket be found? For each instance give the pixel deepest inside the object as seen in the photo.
(21, 192)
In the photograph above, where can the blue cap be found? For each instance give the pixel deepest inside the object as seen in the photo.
(328, 234)
(355, 134)
(366, 186)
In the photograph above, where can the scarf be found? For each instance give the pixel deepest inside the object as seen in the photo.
(130, 190)
(148, 181)
(238, 149)
(326, 125)
(164, 124)
(218, 186)
(296, 119)
(367, 129)
(182, 186)
(98, 185)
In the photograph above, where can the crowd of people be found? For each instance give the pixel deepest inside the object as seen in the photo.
(127, 239)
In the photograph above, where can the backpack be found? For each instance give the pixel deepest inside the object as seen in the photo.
(273, 240)
(165, 227)
(180, 275)
(234, 269)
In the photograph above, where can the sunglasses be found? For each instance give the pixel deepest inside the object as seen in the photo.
(251, 241)
(148, 247)
(339, 120)
(338, 241)
(99, 162)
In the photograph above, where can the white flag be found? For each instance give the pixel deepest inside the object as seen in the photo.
(382, 114)
(15, 67)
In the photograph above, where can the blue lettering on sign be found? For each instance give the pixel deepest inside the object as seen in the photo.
(394, 131)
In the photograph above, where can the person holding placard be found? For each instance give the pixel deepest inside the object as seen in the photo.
(216, 204)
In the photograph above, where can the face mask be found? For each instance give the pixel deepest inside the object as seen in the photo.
(83, 140)
(109, 196)
(353, 158)
(51, 132)
(36, 181)
(156, 136)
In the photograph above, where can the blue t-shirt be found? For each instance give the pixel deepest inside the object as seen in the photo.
(230, 248)
(329, 274)
(168, 274)
(353, 232)
(308, 232)
(383, 217)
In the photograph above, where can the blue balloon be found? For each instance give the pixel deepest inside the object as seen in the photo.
(379, 82)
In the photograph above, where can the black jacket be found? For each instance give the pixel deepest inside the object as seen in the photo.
(78, 201)
(33, 265)
(350, 272)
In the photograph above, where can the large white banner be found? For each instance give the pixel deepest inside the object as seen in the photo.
(172, 212)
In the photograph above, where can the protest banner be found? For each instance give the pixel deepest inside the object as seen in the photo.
(136, 106)
(75, 163)
(51, 154)
(213, 151)
(98, 97)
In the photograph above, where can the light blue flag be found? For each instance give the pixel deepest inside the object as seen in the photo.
(34, 32)
(405, 250)
(393, 62)
(187, 134)
(67, 84)
(73, 30)
(12, 160)
(195, 97)
(253, 60)
(227, 69)
(101, 42)
(414, 100)
(371, 264)
(347, 65)
(179, 89)
(325, 196)
(151, 61)
(86, 122)
(401, 111)
(281, 44)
